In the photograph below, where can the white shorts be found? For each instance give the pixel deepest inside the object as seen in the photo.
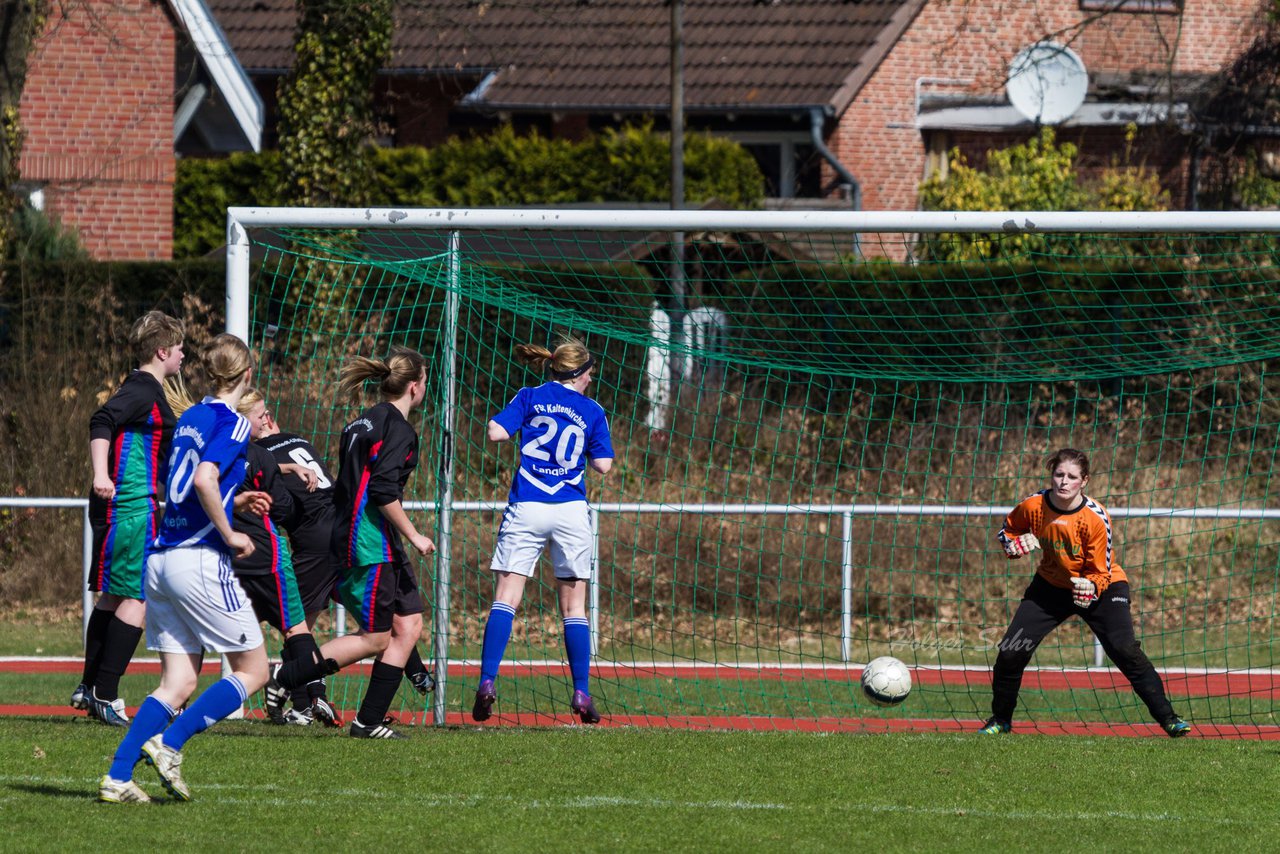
(528, 526)
(195, 603)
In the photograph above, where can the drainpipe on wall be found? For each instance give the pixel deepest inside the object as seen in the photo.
(817, 121)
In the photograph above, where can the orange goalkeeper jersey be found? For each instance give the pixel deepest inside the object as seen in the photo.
(1075, 543)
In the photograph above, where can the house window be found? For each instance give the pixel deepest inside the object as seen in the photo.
(789, 163)
(1168, 7)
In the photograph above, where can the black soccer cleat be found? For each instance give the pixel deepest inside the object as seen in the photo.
(486, 696)
(582, 706)
(359, 730)
(274, 696)
(322, 711)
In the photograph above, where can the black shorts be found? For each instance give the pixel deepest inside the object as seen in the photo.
(374, 594)
(317, 574)
(275, 599)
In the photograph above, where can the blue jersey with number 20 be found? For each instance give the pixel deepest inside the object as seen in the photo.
(560, 429)
(209, 432)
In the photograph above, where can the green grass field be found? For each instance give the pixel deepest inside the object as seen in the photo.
(41, 631)
(258, 787)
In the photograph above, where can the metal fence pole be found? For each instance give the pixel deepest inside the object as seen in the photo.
(87, 560)
(593, 602)
(846, 585)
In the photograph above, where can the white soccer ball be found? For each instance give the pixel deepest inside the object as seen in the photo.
(886, 681)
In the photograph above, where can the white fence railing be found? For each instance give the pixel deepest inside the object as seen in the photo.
(86, 552)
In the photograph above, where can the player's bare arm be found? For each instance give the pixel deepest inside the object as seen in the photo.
(206, 486)
(103, 486)
(394, 513)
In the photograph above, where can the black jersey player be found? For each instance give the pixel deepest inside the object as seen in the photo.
(129, 439)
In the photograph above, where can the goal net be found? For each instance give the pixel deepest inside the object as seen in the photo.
(820, 422)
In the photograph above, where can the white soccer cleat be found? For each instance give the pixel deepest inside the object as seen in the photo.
(110, 712)
(168, 765)
(121, 791)
(298, 718)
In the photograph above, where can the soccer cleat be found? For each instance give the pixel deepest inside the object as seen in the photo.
(168, 765)
(424, 682)
(359, 730)
(121, 791)
(298, 717)
(486, 696)
(322, 711)
(995, 727)
(80, 697)
(582, 706)
(110, 712)
(274, 697)
(1177, 728)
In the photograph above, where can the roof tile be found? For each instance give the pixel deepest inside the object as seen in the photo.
(614, 53)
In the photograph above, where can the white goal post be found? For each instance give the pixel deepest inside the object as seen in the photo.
(450, 222)
(854, 222)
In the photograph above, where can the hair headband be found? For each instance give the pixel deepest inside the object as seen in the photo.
(576, 372)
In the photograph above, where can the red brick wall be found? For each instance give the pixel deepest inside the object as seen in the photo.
(974, 40)
(98, 111)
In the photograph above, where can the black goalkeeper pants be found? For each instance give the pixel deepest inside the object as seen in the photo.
(1044, 608)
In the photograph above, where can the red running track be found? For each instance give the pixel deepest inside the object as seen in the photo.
(1253, 683)
(1245, 683)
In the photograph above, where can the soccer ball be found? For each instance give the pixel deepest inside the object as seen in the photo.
(886, 681)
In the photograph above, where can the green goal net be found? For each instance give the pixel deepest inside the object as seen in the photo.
(820, 422)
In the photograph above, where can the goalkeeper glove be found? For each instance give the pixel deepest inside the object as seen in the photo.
(1016, 547)
(1083, 592)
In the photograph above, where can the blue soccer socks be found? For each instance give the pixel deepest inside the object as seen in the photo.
(217, 702)
(497, 632)
(152, 717)
(577, 646)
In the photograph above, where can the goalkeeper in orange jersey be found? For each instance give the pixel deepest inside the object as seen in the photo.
(1077, 576)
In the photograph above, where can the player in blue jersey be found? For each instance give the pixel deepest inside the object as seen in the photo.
(562, 431)
(194, 602)
(128, 446)
(377, 454)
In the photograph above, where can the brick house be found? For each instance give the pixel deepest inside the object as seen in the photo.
(853, 99)
(1149, 62)
(112, 92)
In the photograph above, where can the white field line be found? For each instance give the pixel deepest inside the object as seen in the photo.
(552, 663)
(271, 795)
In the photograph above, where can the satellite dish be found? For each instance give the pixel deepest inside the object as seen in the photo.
(1047, 82)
